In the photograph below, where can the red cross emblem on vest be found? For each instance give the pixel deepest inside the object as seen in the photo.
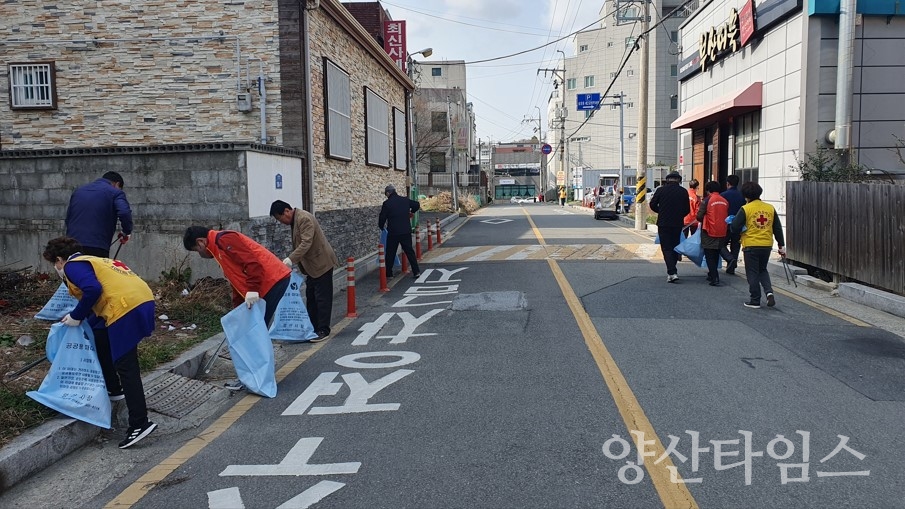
(761, 219)
(121, 265)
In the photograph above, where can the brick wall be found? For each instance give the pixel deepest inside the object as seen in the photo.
(348, 194)
(371, 15)
(142, 90)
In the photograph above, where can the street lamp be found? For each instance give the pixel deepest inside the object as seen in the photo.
(413, 190)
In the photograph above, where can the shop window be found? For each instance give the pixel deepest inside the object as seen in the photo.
(339, 112)
(747, 147)
(438, 162)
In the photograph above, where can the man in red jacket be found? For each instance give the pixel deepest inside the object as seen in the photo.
(714, 228)
(253, 271)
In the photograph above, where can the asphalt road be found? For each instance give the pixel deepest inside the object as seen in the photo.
(541, 360)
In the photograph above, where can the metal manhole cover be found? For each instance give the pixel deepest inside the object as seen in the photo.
(176, 396)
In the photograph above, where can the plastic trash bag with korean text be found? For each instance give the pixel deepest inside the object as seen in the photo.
(250, 348)
(74, 385)
(290, 320)
(58, 306)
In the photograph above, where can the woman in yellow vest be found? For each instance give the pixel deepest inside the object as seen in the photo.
(109, 291)
(758, 224)
(562, 196)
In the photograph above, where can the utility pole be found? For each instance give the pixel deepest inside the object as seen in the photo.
(452, 156)
(641, 185)
(561, 114)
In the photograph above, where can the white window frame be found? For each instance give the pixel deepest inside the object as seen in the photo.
(338, 106)
(400, 140)
(582, 48)
(32, 86)
(377, 129)
(571, 83)
(589, 81)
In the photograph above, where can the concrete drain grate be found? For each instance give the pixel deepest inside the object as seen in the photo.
(176, 396)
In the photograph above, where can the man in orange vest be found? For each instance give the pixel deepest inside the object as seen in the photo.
(253, 271)
(714, 229)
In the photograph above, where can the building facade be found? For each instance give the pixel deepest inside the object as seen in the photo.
(209, 111)
(605, 139)
(759, 89)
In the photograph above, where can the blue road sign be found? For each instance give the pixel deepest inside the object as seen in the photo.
(588, 101)
(546, 148)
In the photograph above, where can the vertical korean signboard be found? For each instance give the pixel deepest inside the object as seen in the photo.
(394, 41)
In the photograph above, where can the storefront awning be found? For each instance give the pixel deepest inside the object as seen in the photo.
(738, 103)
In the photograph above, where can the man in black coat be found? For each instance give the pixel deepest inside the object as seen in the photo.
(396, 216)
(670, 202)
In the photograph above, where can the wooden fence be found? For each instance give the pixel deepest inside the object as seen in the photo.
(854, 230)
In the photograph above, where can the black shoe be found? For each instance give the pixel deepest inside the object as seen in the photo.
(730, 267)
(321, 336)
(752, 304)
(715, 282)
(770, 300)
(390, 276)
(416, 275)
(709, 278)
(136, 434)
(116, 395)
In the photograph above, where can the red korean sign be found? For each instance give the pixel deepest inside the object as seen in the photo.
(746, 22)
(394, 41)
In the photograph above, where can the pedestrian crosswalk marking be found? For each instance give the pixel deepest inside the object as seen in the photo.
(545, 252)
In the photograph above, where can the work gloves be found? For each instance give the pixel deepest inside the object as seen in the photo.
(70, 321)
(288, 263)
(123, 238)
(251, 298)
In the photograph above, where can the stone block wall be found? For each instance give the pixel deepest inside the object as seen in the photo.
(160, 72)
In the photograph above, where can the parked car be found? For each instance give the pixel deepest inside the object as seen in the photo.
(520, 200)
(628, 197)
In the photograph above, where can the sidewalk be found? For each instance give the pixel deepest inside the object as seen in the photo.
(179, 395)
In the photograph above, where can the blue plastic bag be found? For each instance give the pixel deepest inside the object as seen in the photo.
(691, 247)
(58, 306)
(75, 384)
(383, 241)
(290, 320)
(250, 348)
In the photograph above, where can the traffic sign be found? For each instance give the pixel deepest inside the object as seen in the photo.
(546, 148)
(588, 102)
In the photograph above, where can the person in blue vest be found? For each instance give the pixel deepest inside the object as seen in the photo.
(108, 290)
(736, 200)
(758, 224)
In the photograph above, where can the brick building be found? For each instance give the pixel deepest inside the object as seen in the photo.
(209, 110)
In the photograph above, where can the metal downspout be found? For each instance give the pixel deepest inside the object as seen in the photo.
(309, 119)
(844, 67)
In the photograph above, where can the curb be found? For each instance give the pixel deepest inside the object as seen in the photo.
(38, 448)
(44, 445)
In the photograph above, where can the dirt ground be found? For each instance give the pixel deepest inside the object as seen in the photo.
(191, 319)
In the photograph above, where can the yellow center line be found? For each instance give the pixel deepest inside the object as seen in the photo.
(672, 494)
(144, 484)
(534, 228)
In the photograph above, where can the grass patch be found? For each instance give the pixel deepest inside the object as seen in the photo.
(18, 413)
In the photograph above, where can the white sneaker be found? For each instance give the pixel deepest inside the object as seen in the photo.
(672, 278)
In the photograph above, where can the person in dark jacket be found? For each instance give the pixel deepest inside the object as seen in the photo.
(93, 212)
(395, 215)
(736, 200)
(671, 204)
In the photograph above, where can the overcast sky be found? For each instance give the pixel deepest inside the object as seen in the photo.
(504, 92)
